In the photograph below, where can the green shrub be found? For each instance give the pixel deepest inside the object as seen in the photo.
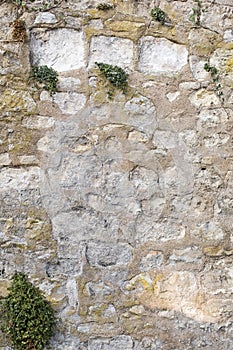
(46, 76)
(27, 318)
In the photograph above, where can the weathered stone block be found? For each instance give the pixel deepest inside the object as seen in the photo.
(19, 179)
(45, 17)
(105, 255)
(111, 50)
(68, 83)
(38, 122)
(204, 98)
(47, 50)
(151, 261)
(197, 69)
(71, 102)
(161, 56)
(5, 159)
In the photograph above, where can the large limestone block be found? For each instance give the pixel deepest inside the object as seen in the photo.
(111, 50)
(19, 179)
(62, 49)
(158, 56)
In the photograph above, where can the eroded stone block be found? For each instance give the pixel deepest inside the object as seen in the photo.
(71, 102)
(62, 49)
(161, 56)
(111, 50)
(45, 17)
(104, 254)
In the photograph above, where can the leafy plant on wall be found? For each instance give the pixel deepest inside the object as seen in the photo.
(115, 75)
(158, 15)
(215, 77)
(27, 318)
(195, 17)
(46, 76)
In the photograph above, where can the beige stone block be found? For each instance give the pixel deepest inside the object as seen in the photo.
(38, 122)
(5, 159)
(204, 98)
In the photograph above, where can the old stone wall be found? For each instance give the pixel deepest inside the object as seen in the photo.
(120, 209)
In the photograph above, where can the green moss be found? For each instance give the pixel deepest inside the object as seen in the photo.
(27, 318)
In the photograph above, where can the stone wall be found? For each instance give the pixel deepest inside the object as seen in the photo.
(120, 209)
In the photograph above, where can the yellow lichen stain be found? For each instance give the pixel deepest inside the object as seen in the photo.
(38, 229)
(229, 66)
(140, 283)
(133, 29)
(213, 251)
(216, 251)
(224, 45)
(95, 13)
(129, 302)
(4, 285)
(98, 313)
(157, 279)
(146, 283)
(17, 101)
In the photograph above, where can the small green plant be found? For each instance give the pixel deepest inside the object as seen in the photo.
(196, 15)
(18, 2)
(104, 6)
(158, 15)
(117, 77)
(213, 71)
(215, 77)
(46, 76)
(27, 318)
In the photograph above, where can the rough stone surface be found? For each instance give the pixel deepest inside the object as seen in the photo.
(118, 204)
(111, 50)
(47, 49)
(158, 56)
(45, 17)
(70, 103)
